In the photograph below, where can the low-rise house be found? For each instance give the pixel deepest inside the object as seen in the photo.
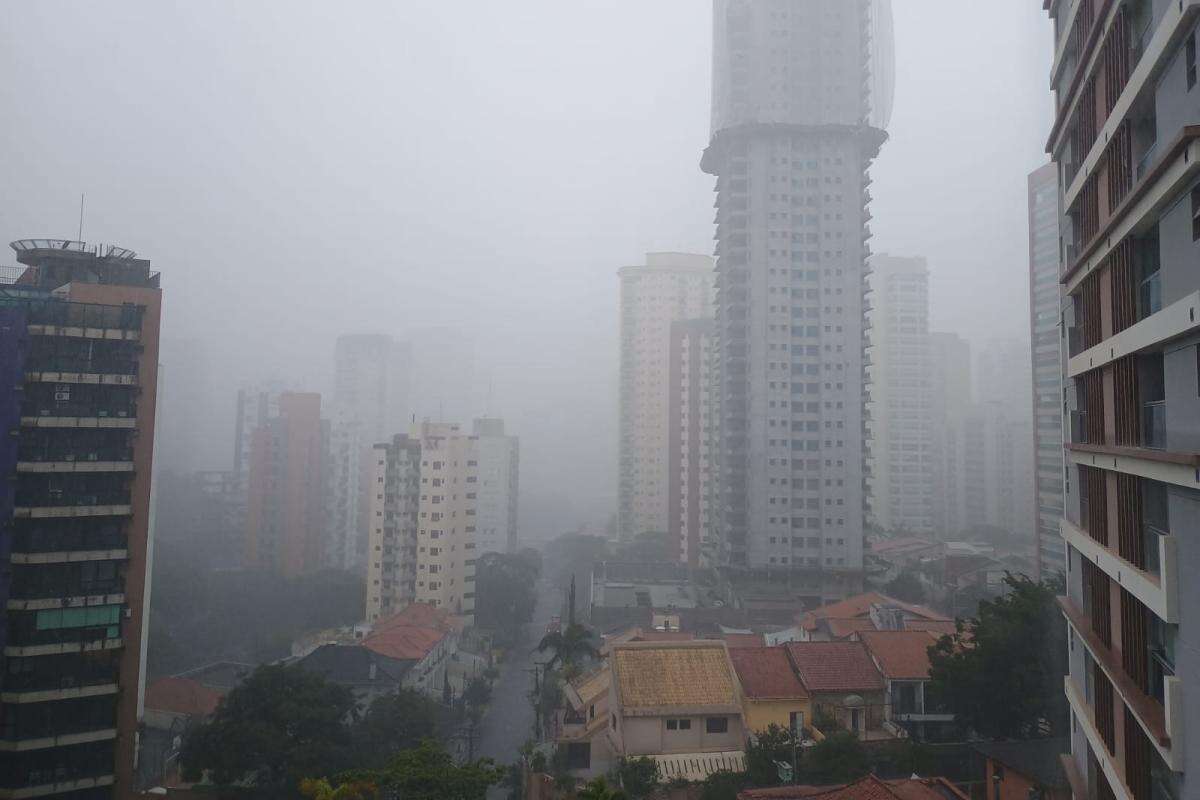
(844, 684)
(679, 703)
(1026, 769)
(427, 637)
(583, 724)
(863, 612)
(771, 692)
(902, 657)
(868, 788)
(172, 705)
(366, 673)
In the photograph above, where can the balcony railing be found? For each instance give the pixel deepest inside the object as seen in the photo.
(1154, 425)
(1150, 296)
(1151, 545)
(1079, 427)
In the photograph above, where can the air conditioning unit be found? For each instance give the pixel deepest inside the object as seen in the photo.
(62, 396)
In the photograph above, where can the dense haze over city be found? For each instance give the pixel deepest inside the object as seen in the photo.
(303, 170)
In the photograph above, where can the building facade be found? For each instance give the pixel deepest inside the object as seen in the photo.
(1126, 147)
(447, 518)
(499, 487)
(794, 132)
(394, 506)
(900, 406)
(1044, 306)
(950, 375)
(667, 288)
(79, 356)
(370, 404)
(286, 486)
(689, 457)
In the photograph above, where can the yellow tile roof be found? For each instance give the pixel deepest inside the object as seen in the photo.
(656, 674)
(591, 684)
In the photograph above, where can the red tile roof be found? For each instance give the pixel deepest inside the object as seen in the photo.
(739, 640)
(859, 606)
(936, 626)
(835, 666)
(845, 628)
(410, 634)
(868, 788)
(901, 655)
(766, 673)
(182, 696)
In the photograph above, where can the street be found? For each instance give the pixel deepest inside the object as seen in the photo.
(509, 719)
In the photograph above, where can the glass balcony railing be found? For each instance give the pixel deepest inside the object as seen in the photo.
(1151, 536)
(1149, 296)
(1154, 425)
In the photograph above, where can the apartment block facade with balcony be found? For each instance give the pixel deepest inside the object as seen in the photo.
(1126, 143)
(79, 369)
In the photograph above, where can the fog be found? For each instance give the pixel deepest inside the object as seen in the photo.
(302, 170)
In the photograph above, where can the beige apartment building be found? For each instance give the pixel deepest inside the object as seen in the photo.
(423, 514)
(667, 288)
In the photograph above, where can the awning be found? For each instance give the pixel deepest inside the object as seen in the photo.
(698, 766)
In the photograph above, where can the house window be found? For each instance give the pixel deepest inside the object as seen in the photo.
(796, 721)
(579, 755)
(679, 724)
(716, 725)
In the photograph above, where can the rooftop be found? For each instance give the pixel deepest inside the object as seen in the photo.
(411, 633)
(868, 788)
(835, 666)
(1036, 759)
(182, 696)
(654, 676)
(901, 655)
(766, 673)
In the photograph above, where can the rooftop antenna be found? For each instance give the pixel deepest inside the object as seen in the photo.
(79, 238)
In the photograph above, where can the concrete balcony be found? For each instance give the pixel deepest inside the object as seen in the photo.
(82, 465)
(1087, 723)
(1159, 593)
(47, 695)
(71, 601)
(1176, 320)
(86, 332)
(78, 422)
(69, 556)
(46, 789)
(60, 648)
(98, 510)
(99, 378)
(20, 745)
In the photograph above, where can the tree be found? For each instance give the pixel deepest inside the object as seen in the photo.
(281, 725)
(506, 591)
(478, 693)
(322, 789)
(396, 722)
(639, 776)
(599, 789)
(723, 785)
(571, 647)
(1001, 672)
(907, 587)
(428, 772)
(838, 758)
(765, 750)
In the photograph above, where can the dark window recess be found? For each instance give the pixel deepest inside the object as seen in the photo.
(1105, 714)
(1195, 213)
(1189, 56)
(579, 755)
(716, 725)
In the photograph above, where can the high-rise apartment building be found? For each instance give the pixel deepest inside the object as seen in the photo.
(286, 484)
(499, 487)
(995, 468)
(950, 401)
(1126, 145)
(689, 457)
(667, 288)
(447, 517)
(395, 503)
(370, 404)
(901, 448)
(79, 333)
(794, 130)
(1044, 336)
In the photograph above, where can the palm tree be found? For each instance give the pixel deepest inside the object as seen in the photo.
(570, 646)
(600, 790)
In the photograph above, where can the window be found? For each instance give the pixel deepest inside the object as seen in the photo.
(1195, 213)
(716, 725)
(1189, 57)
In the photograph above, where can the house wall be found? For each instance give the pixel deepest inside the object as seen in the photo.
(1015, 786)
(760, 714)
(649, 736)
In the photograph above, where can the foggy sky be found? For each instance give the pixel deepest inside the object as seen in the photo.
(299, 170)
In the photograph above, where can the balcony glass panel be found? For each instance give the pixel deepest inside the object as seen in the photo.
(1154, 425)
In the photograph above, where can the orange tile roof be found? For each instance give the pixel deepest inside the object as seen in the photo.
(938, 626)
(845, 628)
(182, 696)
(740, 640)
(654, 675)
(835, 666)
(766, 673)
(410, 634)
(868, 788)
(860, 606)
(901, 655)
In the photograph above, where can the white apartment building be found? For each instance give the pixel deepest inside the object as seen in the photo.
(690, 461)
(499, 484)
(950, 376)
(667, 288)
(898, 373)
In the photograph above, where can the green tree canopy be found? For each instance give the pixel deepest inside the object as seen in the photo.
(838, 758)
(639, 776)
(281, 725)
(907, 587)
(428, 772)
(396, 722)
(1001, 672)
(571, 647)
(506, 590)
